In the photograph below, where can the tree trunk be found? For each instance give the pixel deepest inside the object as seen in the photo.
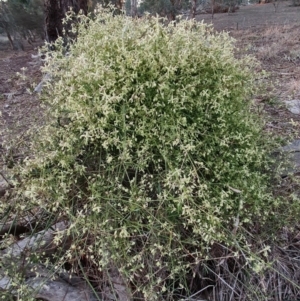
(55, 11)
(173, 10)
(75, 5)
(15, 43)
(9, 38)
(193, 9)
(133, 8)
(276, 4)
(119, 6)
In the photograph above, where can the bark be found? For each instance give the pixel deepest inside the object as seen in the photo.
(53, 20)
(173, 10)
(55, 11)
(10, 39)
(133, 8)
(119, 5)
(75, 5)
(194, 8)
(5, 26)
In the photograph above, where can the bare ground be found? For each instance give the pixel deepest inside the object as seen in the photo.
(255, 16)
(19, 107)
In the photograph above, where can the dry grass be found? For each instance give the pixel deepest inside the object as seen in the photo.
(277, 48)
(257, 16)
(19, 108)
(273, 42)
(280, 42)
(293, 88)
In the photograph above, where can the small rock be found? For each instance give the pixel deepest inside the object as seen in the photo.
(4, 186)
(3, 183)
(9, 95)
(293, 106)
(292, 147)
(289, 158)
(5, 282)
(37, 56)
(39, 87)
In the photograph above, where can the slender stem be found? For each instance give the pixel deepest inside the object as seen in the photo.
(5, 179)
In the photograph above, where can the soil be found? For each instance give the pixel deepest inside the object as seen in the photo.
(19, 107)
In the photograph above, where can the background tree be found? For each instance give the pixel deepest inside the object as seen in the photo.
(55, 11)
(6, 22)
(193, 8)
(133, 8)
(21, 19)
(164, 8)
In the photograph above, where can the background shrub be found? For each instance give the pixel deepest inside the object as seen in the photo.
(150, 149)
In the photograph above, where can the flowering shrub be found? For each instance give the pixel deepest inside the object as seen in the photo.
(151, 150)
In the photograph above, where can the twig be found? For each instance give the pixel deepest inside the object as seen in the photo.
(199, 293)
(219, 277)
(5, 179)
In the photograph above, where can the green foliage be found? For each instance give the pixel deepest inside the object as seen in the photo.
(150, 149)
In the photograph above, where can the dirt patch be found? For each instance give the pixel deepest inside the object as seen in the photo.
(19, 107)
(277, 48)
